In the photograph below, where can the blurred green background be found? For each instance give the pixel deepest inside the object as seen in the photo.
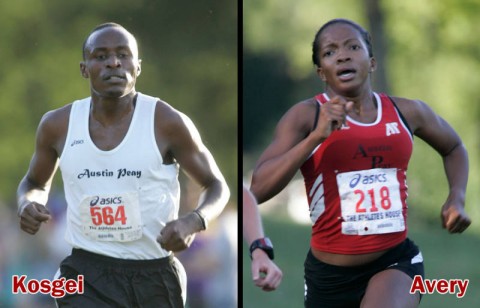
(189, 52)
(425, 50)
(189, 59)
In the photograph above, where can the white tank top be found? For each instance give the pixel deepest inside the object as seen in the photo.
(118, 200)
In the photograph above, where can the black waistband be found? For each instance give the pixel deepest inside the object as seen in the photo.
(110, 261)
(406, 250)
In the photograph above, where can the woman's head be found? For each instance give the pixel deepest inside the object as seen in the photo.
(317, 43)
(342, 53)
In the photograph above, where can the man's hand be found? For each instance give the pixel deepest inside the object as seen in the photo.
(32, 216)
(179, 234)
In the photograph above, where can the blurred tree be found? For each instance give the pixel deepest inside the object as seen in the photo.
(266, 82)
(376, 23)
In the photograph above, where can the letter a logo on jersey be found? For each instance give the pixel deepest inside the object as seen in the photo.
(392, 128)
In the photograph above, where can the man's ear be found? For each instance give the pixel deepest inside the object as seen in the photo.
(139, 67)
(83, 70)
(321, 74)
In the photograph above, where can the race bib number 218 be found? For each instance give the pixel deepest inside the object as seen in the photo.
(370, 202)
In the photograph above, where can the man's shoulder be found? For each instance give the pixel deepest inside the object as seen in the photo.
(57, 115)
(166, 113)
(146, 97)
(54, 123)
(162, 108)
(169, 120)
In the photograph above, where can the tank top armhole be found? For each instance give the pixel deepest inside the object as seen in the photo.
(153, 135)
(317, 112)
(69, 129)
(401, 116)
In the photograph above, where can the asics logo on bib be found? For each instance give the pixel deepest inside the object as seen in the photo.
(105, 201)
(368, 179)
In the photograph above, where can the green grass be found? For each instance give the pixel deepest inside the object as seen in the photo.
(446, 256)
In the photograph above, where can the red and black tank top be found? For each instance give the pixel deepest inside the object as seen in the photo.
(356, 183)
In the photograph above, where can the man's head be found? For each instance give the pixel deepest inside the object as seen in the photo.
(110, 60)
(86, 43)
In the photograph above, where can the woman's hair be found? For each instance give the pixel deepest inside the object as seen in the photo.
(316, 44)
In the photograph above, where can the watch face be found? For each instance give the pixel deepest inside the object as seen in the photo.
(268, 242)
(264, 244)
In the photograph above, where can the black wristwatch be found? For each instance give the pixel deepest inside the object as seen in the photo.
(264, 244)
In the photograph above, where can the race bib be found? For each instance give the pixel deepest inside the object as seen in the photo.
(114, 217)
(370, 202)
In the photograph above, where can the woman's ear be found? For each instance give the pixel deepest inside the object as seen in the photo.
(373, 65)
(321, 74)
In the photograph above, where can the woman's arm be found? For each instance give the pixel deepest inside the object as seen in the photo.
(293, 142)
(436, 132)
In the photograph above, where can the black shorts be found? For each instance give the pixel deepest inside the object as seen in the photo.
(337, 286)
(112, 282)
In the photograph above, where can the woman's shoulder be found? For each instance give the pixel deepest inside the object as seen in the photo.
(302, 112)
(414, 110)
(305, 106)
(408, 105)
(299, 119)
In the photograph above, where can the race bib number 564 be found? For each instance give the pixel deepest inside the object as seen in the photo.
(370, 202)
(114, 217)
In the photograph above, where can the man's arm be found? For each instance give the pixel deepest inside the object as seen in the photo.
(32, 192)
(186, 147)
